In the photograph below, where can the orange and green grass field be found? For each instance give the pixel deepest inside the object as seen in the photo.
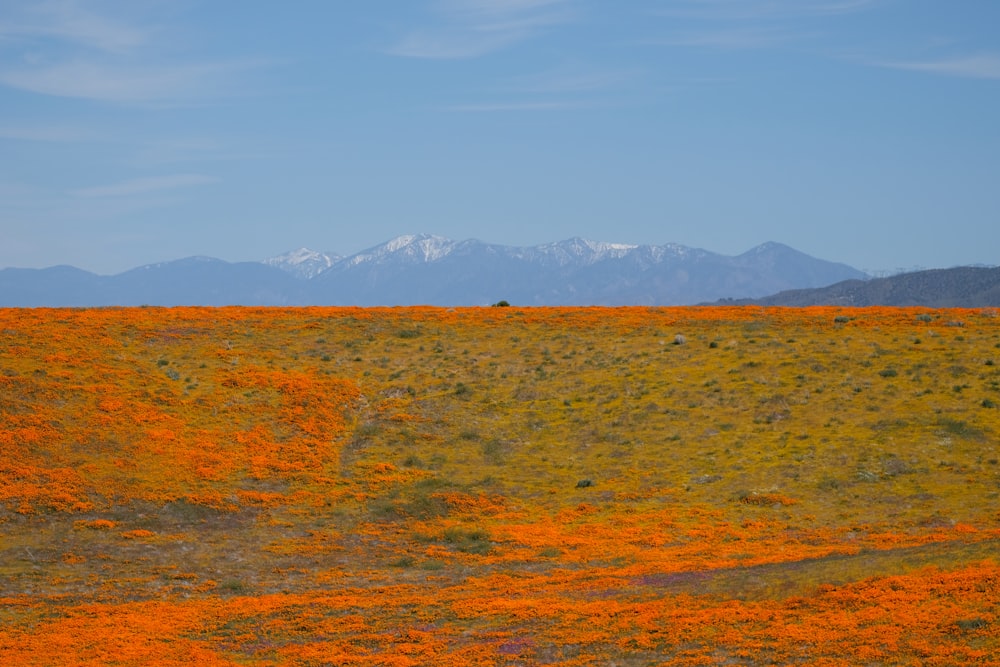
(499, 486)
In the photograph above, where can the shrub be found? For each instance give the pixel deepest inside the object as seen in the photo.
(971, 624)
(765, 499)
(960, 428)
(234, 586)
(828, 484)
(474, 541)
(495, 451)
(408, 333)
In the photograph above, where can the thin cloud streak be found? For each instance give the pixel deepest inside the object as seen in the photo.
(744, 25)
(986, 66)
(568, 79)
(474, 28)
(512, 106)
(124, 84)
(70, 21)
(734, 10)
(139, 186)
(735, 39)
(61, 48)
(46, 133)
(563, 87)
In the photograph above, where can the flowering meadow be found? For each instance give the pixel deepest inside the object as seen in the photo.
(499, 486)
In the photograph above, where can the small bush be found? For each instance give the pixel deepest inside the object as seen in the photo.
(409, 333)
(828, 484)
(971, 624)
(960, 428)
(234, 587)
(432, 565)
(765, 499)
(495, 451)
(474, 541)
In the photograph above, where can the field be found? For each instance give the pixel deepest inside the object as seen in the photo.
(499, 486)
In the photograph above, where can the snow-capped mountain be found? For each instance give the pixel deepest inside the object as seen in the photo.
(429, 248)
(411, 248)
(303, 263)
(428, 269)
(582, 251)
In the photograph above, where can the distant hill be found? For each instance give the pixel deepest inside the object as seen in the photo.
(435, 270)
(425, 269)
(193, 281)
(961, 287)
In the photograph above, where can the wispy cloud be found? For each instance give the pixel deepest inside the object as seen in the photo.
(157, 152)
(494, 107)
(984, 66)
(70, 21)
(139, 186)
(734, 38)
(49, 133)
(734, 25)
(569, 79)
(567, 86)
(96, 79)
(733, 10)
(63, 48)
(473, 28)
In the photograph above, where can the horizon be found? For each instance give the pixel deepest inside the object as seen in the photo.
(339, 257)
(855, 131)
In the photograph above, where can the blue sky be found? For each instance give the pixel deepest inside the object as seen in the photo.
(138, 131)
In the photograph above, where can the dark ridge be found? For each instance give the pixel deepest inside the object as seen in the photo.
(960, 287)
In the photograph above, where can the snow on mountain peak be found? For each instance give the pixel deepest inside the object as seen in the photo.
(299, 256)
(429, 248)
(416, 247)
(303, 262)
(399, 242)
(604, 248)
(579, 249)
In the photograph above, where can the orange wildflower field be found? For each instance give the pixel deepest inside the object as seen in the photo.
(499, 486)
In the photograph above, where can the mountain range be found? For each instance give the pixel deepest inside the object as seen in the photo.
(432, 270)
(959, 287)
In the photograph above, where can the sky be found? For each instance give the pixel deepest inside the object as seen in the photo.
(139, 131)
